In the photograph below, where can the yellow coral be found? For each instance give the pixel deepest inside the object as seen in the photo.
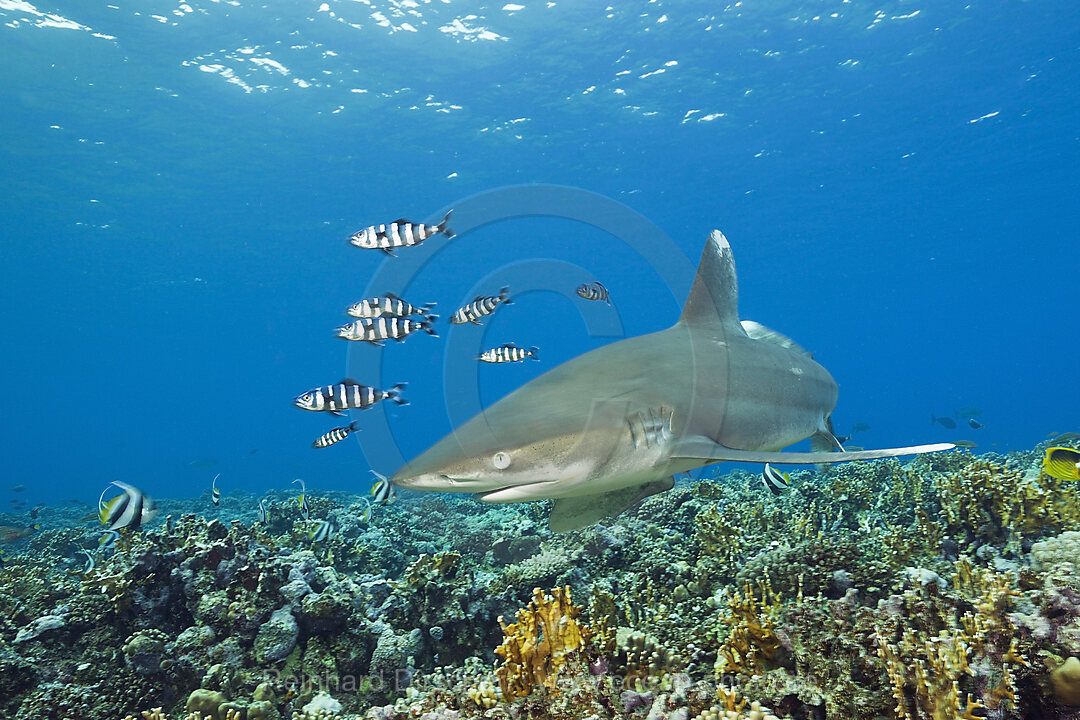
(752, 639)
(535, 647)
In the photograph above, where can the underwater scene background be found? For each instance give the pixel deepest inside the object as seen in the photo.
(899, 183)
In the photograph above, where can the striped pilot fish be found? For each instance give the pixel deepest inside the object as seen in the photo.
(130, 509)
(347, 395)
(776, 481)
(400, 233)
(388, 304)
(376, 330)
(335, 436)
(481, 306)
(509, 353)
(594, 291)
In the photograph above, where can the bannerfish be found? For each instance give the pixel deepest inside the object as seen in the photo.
(388, 304)
(376, 330)
(1062, 463)
(347, 395)
(594, 291)
(108, 540)
(481, 306)
(335, 436)
(776, 481)
(11, 533)
(305, 509)
(945, 422)
(323, 530)
(509, 353)
(131, 509)
(264, 515)
(400, 233)
(974, 424)
(382, 491)
(90, 564)
(215, 494)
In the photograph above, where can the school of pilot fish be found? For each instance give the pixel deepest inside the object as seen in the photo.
(391, 317)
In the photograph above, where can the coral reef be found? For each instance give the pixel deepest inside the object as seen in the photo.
(944, 587)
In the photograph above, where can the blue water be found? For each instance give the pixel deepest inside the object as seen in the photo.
(900, 183)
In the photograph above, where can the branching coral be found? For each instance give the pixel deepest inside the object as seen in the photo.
(752, 640)
(535, 648)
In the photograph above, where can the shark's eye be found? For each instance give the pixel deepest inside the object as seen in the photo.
(501, 460)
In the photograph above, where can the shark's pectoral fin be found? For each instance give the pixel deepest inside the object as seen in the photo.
(699, 447)
(574, 513)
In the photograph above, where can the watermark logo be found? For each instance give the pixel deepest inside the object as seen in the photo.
(460, 344)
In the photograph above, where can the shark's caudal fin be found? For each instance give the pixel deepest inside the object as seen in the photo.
(714, 297)
(574, 513)
(703, 448)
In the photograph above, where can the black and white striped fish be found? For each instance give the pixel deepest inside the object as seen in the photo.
(215, 494)
(128, 510)
(376, 330)
(400, 233)
(481, 306)
(382, 491)
(594, 291)
(90, 563)
(388, 304)
(263, 513)
(335, 436)
(776, 481)
(347, 395)
(323, 530)
(509, 353)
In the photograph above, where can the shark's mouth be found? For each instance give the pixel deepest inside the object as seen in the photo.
(517, 493)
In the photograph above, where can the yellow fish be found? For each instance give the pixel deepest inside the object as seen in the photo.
(1062, 463)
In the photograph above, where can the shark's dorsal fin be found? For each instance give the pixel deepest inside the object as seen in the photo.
(714, 297)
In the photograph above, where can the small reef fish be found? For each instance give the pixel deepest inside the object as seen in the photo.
(377, 330)
(11, 533)
(388, 304)
(264, 514)
(108, 540)
(323, 530)
(776, 481)
(382, 491)
(131, 509)
(90, 563)
(305, 509)
(594, 291)
(1062, 463)
(400, 233)
(509, 353)
(215, 494)
(969, 412)
(945, 422)
(347, 395)
(335, 436)
(481, 306)
(974, 424)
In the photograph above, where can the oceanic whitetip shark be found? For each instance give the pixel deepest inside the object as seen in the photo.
(615, 425)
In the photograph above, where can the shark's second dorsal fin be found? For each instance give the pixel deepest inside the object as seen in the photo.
(714, 297)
